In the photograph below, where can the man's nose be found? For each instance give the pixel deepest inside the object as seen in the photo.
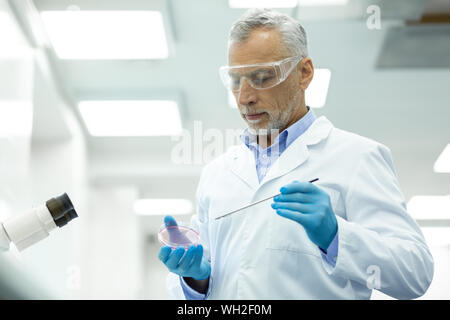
(247, 94)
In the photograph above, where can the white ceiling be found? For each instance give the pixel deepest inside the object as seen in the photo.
(406, 109)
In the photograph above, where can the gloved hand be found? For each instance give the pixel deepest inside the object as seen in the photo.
(310, 206)
(186, 263)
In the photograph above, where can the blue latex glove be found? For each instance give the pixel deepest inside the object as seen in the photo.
(186, 263)
(310, 206)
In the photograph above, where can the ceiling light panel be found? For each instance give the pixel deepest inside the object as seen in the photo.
(430, 207)
(163, 207)
(442, 164)
(106, 34)
(262, 3)
(317, 3)
(131, 117)
(316, 94)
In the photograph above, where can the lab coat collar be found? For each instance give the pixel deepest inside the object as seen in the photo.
(243, 162)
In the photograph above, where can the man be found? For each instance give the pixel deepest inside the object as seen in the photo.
(337, 238)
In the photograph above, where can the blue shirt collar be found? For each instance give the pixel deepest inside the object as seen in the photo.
(286, 137)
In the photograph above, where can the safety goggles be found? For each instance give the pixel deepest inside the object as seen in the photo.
(259, 76)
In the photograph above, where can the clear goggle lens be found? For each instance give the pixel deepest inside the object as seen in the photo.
(258, 76)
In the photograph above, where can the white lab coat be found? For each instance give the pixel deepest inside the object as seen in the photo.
(256, 254)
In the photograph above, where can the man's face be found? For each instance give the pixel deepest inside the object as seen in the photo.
(273, 108)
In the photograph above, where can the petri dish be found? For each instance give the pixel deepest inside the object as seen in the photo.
(178, 236)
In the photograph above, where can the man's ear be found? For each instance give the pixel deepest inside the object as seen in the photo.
(306, 72)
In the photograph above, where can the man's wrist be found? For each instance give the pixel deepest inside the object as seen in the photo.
(200, 286)
(328, 243)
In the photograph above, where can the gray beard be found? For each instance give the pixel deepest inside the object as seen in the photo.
(275, 126)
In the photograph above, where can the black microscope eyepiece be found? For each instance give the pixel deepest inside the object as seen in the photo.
(61, 209)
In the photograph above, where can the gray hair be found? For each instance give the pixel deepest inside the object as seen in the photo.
(292, 32)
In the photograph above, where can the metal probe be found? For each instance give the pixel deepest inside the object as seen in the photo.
(252, 204)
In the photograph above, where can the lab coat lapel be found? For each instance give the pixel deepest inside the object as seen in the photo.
(297, 153)
(243, 165)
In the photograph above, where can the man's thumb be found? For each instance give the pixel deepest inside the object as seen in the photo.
(169, 221)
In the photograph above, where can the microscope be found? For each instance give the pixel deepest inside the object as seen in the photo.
(34, 225)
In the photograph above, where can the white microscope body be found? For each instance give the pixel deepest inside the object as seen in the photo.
(30, 227)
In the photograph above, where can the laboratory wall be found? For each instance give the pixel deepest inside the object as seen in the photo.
(110, 251)
(38, 161)
(16, 115)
